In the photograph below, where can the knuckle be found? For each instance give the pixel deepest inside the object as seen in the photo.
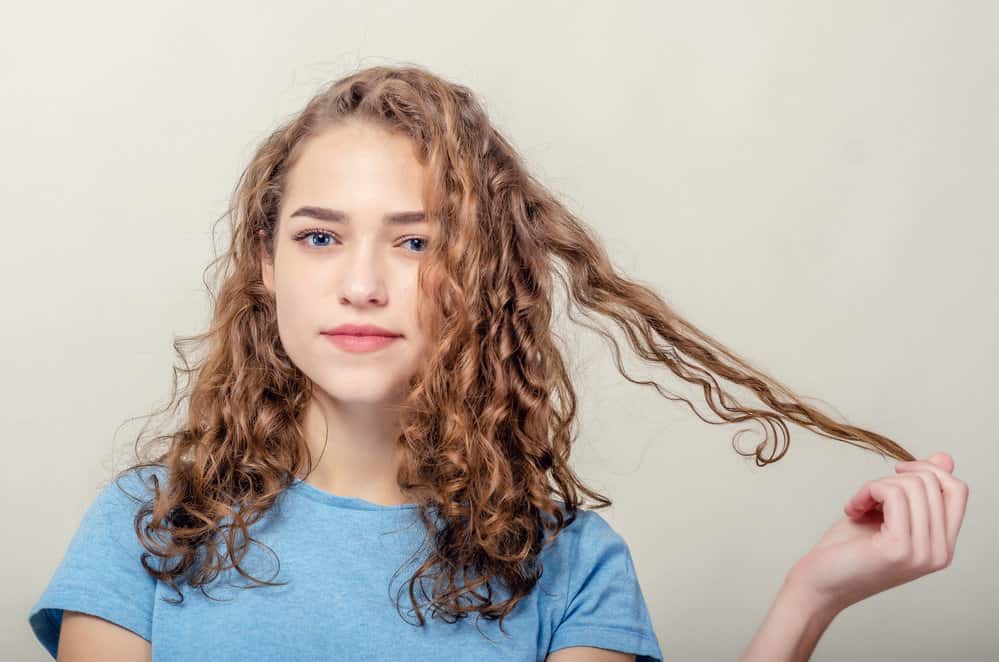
(938, 558)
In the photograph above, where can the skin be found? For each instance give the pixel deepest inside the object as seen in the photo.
(362, 272)
(896, 529)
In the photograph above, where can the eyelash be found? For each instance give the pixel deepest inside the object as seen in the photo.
(301, 236)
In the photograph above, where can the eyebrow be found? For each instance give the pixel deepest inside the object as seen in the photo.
(338, 216)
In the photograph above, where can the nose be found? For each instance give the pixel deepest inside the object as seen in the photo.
(363, 281)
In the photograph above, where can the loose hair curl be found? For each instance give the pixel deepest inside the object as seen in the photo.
(487, 424)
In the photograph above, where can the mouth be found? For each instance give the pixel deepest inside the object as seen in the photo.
(361, 330)
(360, 343)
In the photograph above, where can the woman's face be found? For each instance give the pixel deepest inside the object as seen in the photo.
(360, 269)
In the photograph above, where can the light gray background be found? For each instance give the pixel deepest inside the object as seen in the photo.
(813, 183)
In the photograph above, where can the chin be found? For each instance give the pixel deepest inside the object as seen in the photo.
(361, 391)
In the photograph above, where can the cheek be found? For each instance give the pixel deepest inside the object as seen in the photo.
(292, 307)
(416, 331)
(298, 320)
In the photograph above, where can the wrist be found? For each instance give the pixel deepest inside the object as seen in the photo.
(792, 627)
(797, 590)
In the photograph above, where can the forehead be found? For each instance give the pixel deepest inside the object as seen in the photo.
(356, 166)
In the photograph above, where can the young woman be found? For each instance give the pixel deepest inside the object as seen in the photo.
(377, 438)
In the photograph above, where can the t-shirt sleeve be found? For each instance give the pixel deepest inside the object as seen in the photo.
(605, 607)
(101, 571)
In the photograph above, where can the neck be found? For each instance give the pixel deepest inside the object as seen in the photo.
(361, 456)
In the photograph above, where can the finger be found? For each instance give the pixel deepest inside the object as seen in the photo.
(943, 460)
(938, 521)
(916, 489)
(894, 506)
(861, 502)
(955, 496)
(926, 464)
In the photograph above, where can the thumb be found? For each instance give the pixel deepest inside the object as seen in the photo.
(942, 460)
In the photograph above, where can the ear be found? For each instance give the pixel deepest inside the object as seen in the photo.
(266, 270)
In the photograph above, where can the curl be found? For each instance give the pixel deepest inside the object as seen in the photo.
(488, 422)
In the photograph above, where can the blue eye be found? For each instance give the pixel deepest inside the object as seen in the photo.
(305, 234)
(418, 239)
(310, 233)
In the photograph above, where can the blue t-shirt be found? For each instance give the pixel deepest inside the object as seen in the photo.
(345, 560)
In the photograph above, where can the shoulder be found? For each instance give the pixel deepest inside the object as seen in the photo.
(588, 535)
(120, 497)
(602, 602)
(134, 484)
(589, 556)
(113, 511)
(101, 572)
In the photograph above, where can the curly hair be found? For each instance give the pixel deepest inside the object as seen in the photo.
(487, 423)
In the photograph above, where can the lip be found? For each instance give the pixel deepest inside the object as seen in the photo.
(361, 330)
(366, 343)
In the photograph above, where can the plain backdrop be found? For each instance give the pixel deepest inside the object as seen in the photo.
(812, 183)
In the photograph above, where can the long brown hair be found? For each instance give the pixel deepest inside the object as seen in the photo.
(487, 423)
